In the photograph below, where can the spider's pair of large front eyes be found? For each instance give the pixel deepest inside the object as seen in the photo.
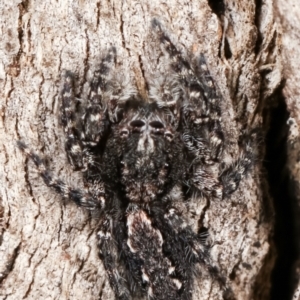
(156, 127)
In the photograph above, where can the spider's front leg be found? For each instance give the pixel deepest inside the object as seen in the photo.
(108, 94)
(83, 134)
(201, 130)
(100, 102)
(73, 144)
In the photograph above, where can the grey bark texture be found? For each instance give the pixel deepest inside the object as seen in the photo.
(47, 246)
(288, 14)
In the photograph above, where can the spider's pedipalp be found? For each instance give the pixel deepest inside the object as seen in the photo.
(167, 94)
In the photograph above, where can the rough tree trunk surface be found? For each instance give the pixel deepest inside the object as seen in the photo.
(288, 13)
(48, 247)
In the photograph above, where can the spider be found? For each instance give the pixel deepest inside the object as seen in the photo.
(142, 160)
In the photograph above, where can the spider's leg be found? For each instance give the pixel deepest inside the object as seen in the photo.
(80, 197)
(202, 133)
(186, 249)
(234, 173)
(201, 129)
(108, 92)
(95, 118)
(73, 144)
(177, 246)
(109, 254)
(203, 258)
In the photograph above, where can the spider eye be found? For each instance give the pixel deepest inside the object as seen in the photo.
(124, 132)
(169, 135)
(156, 124)
(137, 123)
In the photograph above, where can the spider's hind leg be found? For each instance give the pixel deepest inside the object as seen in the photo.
(188, 251)
(109, 254)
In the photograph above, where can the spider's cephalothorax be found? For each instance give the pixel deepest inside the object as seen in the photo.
(142, 161)
(139, 156)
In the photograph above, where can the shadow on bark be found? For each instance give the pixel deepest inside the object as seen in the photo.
(284, 202)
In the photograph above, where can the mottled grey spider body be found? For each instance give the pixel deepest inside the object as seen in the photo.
(140, 159)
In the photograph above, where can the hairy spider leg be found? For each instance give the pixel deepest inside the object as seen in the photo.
(80, 197)
(81, 134)
(202, 134)
(235, 172)
(109, 254)
(179, 239)
(73, 144)
(95, 119)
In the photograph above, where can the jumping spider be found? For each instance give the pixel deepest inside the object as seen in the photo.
(140, 159)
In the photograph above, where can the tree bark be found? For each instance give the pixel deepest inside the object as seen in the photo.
(288, 14)
(48, 247)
